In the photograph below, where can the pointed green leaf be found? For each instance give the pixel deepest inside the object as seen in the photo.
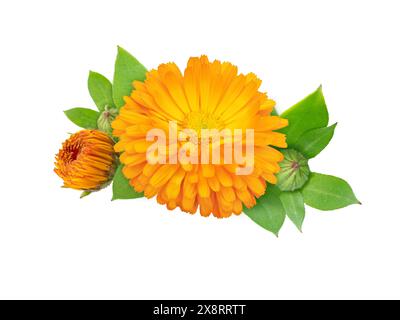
(127, 70)
(121, 187)
(85, 194)
(310, 113)
(314, 141)
(268, 212)
(100, 89)
(293, 204)
(326, 192)
(82, 117)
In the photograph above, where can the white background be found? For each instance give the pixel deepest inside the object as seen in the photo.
(54, 245)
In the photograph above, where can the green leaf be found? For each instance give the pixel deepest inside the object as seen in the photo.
(268, 212)
(309, 113)
(127, 70)
(100, 89)
(314, 141)
(274, 112)
(121, 187)
(293, 204)
(326, 192)
(82, 117)
(85, 194)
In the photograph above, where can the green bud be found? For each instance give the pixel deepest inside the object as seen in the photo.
(294, 171)
(105, 119)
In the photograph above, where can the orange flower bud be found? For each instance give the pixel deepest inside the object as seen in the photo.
(86, 161)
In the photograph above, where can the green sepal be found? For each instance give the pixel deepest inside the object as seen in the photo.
(309, 113)
(85, 194)
(293, 203)
(82, 117)
(121, 187)
(127, 70)
(314, 141)
(268, 212)
(100, 89)
(325, 192)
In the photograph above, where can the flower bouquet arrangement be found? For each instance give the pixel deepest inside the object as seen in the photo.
(204, 140)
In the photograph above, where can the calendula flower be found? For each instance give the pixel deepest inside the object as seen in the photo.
(209, 95)
(86, 160)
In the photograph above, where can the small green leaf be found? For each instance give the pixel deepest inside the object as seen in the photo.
(326, 192)
(121, 187)
(82, 117)
(274, 112)
(293, 204)
(268, 212)
(100, 89)
(85, 194)
(309, 113)
(314, 141)
(127, 70)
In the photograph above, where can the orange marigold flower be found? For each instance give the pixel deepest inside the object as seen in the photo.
(208, 95)
(86, 160)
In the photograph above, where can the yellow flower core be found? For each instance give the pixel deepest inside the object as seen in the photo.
(208, 95)
(86, 160)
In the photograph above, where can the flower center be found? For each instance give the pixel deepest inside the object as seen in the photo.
(198, 121)
(71, 153)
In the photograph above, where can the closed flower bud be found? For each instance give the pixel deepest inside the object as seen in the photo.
(294, 171)
(105, 119)
(86, 161)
